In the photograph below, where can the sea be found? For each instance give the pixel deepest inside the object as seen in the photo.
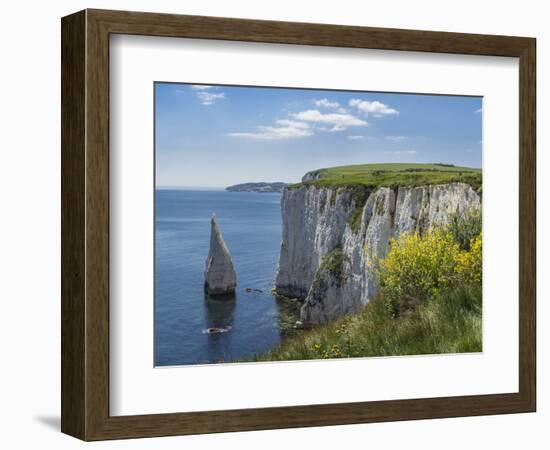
(190, 326)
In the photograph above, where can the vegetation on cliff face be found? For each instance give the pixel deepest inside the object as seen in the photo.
(355, 219)
(333, 264)
(359, 196)
(392, 175)
(430, 302)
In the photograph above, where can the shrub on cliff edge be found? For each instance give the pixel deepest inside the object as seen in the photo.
(465, 227)
(418, 268)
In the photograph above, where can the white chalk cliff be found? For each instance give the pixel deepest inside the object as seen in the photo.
(219, 277)
(331, 234)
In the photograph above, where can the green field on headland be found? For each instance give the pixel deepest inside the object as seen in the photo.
(393, 175)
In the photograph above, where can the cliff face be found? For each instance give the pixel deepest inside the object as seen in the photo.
(330, 235)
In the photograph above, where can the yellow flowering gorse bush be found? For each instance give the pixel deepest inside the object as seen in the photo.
(420, 266)
(469, 265)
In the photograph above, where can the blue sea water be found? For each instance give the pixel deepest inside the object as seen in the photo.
(251, 226)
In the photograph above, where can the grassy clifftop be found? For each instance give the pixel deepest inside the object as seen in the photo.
(393, 175)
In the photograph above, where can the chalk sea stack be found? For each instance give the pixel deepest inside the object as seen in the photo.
(219, 277)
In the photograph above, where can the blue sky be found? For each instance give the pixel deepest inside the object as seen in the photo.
(215, 136)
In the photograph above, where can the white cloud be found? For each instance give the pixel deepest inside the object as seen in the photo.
(396, 138)
(405, 152)
(338, 121)
(207, 98)
(201, 87)
(285, 129)
(292, 123)
(356, 138)
(326, 103)
(376, 108)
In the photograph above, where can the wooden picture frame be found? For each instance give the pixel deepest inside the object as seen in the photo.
(85, 224)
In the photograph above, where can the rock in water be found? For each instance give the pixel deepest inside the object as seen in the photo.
(219, 276)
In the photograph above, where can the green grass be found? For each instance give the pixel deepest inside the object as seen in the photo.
(449, 324)
(394, 175)
(355, 219)
(333, 264)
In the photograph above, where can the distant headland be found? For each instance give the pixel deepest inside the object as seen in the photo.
(257, 187)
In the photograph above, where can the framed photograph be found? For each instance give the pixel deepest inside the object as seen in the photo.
(272, 225)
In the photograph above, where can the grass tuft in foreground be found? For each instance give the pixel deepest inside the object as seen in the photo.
(449, 324)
